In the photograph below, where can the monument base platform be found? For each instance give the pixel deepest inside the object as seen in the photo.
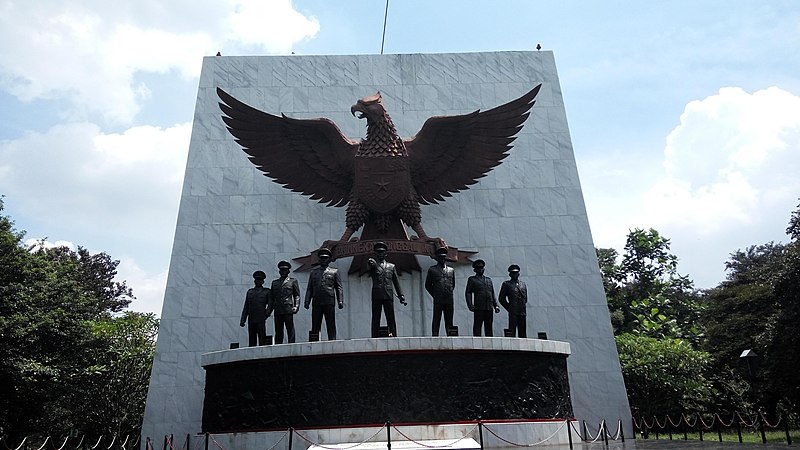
(454, 436)
(369, 382)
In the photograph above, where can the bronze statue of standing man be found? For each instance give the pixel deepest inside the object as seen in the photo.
(514, 298)
(440, 283)
(285, 302)
(255, 310)
(484, 306)
(324, 291)
(384, 277)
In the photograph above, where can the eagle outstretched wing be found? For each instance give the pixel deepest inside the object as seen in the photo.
(309, 156)
(451, 153)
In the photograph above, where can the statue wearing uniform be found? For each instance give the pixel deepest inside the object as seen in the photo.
(481, 300)
(440, 283)
(384, 277)
(324, 291)
(255, 310)
(285, 302)
(514, 298)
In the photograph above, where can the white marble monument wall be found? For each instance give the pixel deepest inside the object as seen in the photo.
(528, 211)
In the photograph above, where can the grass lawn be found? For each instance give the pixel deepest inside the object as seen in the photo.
(748, 435)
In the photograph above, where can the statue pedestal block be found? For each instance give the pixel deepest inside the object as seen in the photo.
(368, 382)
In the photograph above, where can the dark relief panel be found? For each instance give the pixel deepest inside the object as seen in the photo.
(372, 388)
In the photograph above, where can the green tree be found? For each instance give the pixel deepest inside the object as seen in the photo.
(655, 313)
(54, 305)
(645, 293)
(757, 307)
(113, 389)
(663, 376)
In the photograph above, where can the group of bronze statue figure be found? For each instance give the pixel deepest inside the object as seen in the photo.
(325, 293)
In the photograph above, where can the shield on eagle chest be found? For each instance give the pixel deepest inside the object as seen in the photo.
(382, 182)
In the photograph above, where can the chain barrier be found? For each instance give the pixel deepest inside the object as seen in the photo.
(744, 422)
(618, 433)
(337, 448)
(44, 443)
(64, 444)
(98, 443)
(279, 440)
(599, 432)
(572, 424)
(49, 442)
(199, 441)
(170, 439)
(702, 422)
(526, 445)
(733, 418)
(211, 436)
(676, 425)
(124, 442)
(467, 435)
(764, 420)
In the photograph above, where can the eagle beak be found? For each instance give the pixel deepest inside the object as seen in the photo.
(357, 109)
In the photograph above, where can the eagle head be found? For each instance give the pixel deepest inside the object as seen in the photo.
(382, 138)
(370, 108)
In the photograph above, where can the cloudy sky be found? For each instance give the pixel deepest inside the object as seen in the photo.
(684, 115)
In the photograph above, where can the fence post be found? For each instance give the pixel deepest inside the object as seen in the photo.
(719, 430)
(388, 436)
(291, 435)
(166, 436)
(668, 424)
(786, 428)
(480, 433)
(739, 430)
(188, 447)
(586, 432)
(761, 428)
(621, 431)
(605, 431)
(206, 441)
(569, 433)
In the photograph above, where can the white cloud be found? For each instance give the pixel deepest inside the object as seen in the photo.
(147, 288)
(117, 184)
(44, 243)
(272, 25)
(728, 179)
(733, 157)
(90, 52)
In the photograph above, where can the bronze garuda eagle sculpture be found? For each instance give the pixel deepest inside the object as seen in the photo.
(383, 179)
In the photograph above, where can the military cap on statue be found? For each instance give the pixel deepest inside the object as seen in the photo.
(513, 268)
(441, 251)
(284, 265)
(323, 252)
(259, 274)
(380, 246)
(479, 263)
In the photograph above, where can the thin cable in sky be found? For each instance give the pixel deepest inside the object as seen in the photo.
(385, 16)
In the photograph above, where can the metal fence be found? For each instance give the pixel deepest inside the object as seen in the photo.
(713, 425)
